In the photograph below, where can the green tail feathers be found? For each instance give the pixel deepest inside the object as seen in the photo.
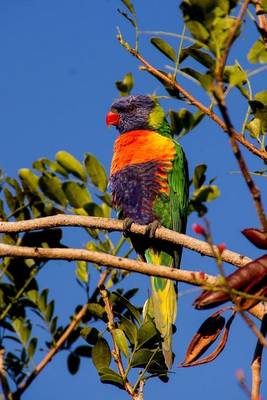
(164, 300)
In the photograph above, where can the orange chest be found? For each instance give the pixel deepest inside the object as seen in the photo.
(138, 147)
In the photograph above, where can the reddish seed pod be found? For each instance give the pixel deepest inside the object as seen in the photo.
(221, 247)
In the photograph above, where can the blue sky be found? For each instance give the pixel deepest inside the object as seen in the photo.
(59, 61)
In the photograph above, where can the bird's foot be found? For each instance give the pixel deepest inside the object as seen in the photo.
(126, 225)
(151, 229)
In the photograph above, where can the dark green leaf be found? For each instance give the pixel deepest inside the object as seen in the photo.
(73, 363)
(165, 48)
(101, 354)
(128, 328)
(32, 347)
(121, 341)
(49, 311)
(96, 172)
(90, 335)
(51, 186)
(130, 6)
(199, 176)
(107, 375)
(96, 310)
(198, 31)
(132, 309)
(126, 16)
(146, 332)
(76, 193)
(83, 351)
(125, 86)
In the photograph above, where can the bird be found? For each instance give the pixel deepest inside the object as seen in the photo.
(149, 186)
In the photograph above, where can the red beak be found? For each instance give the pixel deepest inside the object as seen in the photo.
(112, 118)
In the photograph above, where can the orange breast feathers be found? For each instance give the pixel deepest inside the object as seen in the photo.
(136, 147)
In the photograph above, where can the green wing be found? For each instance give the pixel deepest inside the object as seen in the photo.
(172, 213)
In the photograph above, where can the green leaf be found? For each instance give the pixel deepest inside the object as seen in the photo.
(254, 128)
(206, 193)
(198, 31)
(51, 186)
(83, 351)
(141, 358)
(121, 341)
(42, 301)
(130, 6)
(132, 309)
(49, 311)
(96, 310)
(107, 375)
(96, 172)
(76, 193)
(125, 86)
(235, 75)
(199, 176)
(129, 328)
(126, 16)
(165, 48)
(29, 180)
(82, 271)
(90, 335)
(101, 354)
(146, 332)
(73, 363)
(257, 53)
(93, 209)
(32, 347)
(23, 329)
(262, 97)
(71, 164)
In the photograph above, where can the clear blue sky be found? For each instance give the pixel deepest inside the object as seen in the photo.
(59, 61)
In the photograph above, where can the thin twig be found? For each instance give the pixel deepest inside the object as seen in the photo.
(116, 352)
(223, 59)
(76, 319)
(256, 363)
(168, 80)
(109, 224)
(253, 327)
(255, 193)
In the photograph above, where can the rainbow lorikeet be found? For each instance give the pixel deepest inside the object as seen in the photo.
(149, 182)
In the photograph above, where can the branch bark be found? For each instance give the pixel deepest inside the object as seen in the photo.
(256, 363)
(109, 224)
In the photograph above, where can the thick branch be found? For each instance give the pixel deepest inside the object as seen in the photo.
(170, 82)
(108, 224)
(190, 277)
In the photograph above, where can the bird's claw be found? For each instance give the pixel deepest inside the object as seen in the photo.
(151, 229)
(126, 225)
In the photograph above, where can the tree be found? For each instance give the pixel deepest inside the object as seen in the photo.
(109, 328)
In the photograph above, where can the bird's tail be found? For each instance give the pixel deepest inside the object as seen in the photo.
(164, 302)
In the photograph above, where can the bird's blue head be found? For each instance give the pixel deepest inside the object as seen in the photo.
(131, 113)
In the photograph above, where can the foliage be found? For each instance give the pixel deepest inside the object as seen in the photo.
(67, 186)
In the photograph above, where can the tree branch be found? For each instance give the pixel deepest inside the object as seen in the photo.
(255, 193)
(256, 363)
(76, 319)
(3, 378)
(109, 224)
(116, 353)
(223, 59)
(107, 260)
(170, 82)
